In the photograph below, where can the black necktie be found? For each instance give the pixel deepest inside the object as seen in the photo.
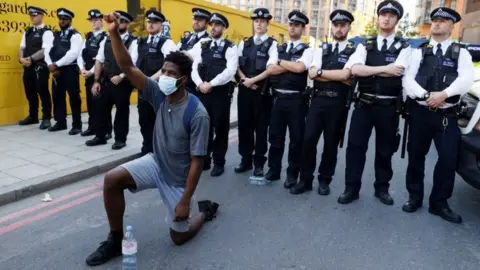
(439, 52)
(335, 51)
(384, 46)
(291, 47)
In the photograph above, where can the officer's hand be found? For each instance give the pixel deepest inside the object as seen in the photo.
(116, 79)
(96, 89)
(83, 72)
(248, 82)
(112, 21)
(348, 82)
(205, 87)
(312, 73)
(56, 73)
(52, 67)
(394, 70)
(436, 99)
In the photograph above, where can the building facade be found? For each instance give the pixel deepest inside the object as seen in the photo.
(425, 7)
(470, 24)
(317, 10)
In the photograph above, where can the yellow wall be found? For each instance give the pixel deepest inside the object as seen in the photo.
(179, 13)
(13, 103)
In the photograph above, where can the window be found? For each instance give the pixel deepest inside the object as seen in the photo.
(441, 3)
(453, 4)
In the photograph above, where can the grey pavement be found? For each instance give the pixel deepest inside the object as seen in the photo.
(34, 160)
(256, 227)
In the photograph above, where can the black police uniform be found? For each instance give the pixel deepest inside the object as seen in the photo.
(35, 77)
(437, 71)
(218, 101)
(326, 115)
(188, 43)
(111, 94)
(254, 106)
(67, 80)
(374, 111)
(150, 61)
(92, 45)
(289, 110)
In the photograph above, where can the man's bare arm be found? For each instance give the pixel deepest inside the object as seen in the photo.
(193, 178)
(276, 70)
(38, 55)
(260, 77)
(334, 75)
(293, 66)
(367, 71)
(136, 77)
(241, 74)
(98, 70)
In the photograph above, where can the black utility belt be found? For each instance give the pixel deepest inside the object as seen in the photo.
(374, 100)
(288, 95)
(450, 111)
(327, 93)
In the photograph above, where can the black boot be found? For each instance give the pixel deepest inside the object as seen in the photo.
(384, 197)
(243, 167)
(411, 206)
(272, 175)
(217, 171)
(45, 124)
(446, 213)
(290, 182)
(58, 127)
(28, 121)
(348, 196)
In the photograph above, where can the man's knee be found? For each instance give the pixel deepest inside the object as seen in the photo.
(118, 178)
(179, 238)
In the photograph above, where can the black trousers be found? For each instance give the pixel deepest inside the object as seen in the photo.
(288, 111)
(91, 112)
(254, 111)
(35, 81)
(385, 120)
(118, 95)
(426, 126)
(217, 103)
(324, 116)
(146, 119)
(67, 81)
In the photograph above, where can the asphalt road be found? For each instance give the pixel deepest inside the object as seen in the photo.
(256, 228)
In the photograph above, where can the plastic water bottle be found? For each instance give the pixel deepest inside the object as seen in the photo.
(259, 181)
(129, 250)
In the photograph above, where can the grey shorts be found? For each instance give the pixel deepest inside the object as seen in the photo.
(146, 174)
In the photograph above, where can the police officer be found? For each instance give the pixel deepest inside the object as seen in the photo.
(199, 25)
(86, 61)
(112, 88)
(289, 82)
(150, 55)
(62, 63)
(441, 71)
(254, 103)
(35, 72)
(214, 66)
(378, 63)
(328, 110)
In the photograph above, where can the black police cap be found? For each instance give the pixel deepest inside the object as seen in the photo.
(124, 16)
(446, 13)
(390, 6)
(202, 13)
(34, 11)
(94, 14)
(341, 15)
(219, 18)
(154, 16)
(261, 13)
(298, 17)
(63, 12)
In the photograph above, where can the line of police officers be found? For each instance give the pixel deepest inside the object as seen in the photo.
(273, 94)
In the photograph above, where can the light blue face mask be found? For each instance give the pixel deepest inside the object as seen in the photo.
(168, 85)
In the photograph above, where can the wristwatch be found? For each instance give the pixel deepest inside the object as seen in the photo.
(319, 72)
(426, 96)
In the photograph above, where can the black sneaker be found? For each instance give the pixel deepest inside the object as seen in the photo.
(108, 250)
(208, 208)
